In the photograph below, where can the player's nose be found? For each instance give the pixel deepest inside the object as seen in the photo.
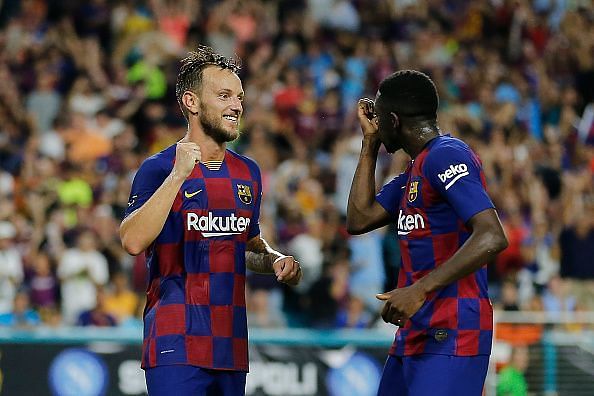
(237, 105)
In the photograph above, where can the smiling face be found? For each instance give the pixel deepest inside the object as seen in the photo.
(221, 104)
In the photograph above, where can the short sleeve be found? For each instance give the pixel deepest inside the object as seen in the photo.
(255, 223)
(147, 180)
(390, 194)
(455, 172)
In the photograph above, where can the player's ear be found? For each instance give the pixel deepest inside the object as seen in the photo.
(191, 102)
(395, 120)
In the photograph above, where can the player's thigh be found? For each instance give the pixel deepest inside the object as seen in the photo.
(392, 382)
(228, 383)
(180, 380)
(442, 375)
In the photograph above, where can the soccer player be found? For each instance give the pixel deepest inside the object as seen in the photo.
(194, 209)
(447, 228)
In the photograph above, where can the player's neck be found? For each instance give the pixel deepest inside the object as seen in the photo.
(418, 137)
(210, 149)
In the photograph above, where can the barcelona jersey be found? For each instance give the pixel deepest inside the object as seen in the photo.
(431, 203)
(195, 312)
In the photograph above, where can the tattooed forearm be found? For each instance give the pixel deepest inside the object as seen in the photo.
(259, 256)
(259, 262)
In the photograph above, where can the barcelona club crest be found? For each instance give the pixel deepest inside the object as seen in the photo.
(413, 191)
(244, 193)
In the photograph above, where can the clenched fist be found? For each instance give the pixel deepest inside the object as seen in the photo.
(287, 270)
(367, 117)
(187, 155)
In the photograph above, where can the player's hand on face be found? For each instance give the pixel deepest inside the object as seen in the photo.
(187, 155)
(401, 304)
(367, 117)
(287, 270)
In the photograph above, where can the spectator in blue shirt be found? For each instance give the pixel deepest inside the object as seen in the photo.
(22, 315)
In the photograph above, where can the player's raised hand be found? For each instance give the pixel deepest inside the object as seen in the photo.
(367, 117)
(401, 304)
(287, 270)
(187, 155)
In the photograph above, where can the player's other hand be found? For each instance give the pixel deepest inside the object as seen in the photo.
(287, 270)
(367, 117)
(187, 155)
(401, 304)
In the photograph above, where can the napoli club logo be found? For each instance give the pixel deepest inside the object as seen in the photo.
(413, 191)
(77, 371)
(244, 193)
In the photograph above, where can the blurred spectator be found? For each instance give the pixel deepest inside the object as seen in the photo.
(6, 183)
(120, 302)
(43, 283)
(148, 72)
(510, 261)
(328, 294)
(558, 298)
(83, 98)
(342, 15)
(44, 102)
(354, 315)
(135, 321)
(307, 248)
(175, 18)
(516, 333)
(509, 296)
(98, 315)
(540, 252)
(261, 309)
(81, 270)
(367, 268)
(73, 192)
(511, 380)
(577, 250)
(84, 143)
(22, 315)
(346, 155)
(51, 142)
(11, 267)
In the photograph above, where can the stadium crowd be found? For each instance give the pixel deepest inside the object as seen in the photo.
(87, 92)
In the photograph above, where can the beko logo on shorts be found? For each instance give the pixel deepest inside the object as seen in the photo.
(409, 223)
(212, 226)
(456, 171)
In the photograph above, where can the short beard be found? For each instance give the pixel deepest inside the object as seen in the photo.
(213, 128)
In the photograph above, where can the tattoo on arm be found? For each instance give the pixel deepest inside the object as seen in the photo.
(259, 256)
(258, 262)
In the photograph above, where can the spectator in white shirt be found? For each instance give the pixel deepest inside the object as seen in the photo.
(11, 267)
(81, 270)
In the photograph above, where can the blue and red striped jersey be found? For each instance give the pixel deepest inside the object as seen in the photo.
(195, 312)
(431, 202)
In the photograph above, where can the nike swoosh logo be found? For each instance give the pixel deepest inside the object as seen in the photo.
(190, 195)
